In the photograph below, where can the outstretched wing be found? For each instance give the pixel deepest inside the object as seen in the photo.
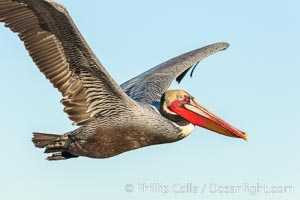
(61, 53)
(150, 85)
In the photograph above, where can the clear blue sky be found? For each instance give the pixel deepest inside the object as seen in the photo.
(254, 85)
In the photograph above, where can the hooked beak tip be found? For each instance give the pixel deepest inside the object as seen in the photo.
(245, 137)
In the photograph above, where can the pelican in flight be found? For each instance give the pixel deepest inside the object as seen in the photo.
(112, 118)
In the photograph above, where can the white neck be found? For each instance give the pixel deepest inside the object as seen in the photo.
(185, 130)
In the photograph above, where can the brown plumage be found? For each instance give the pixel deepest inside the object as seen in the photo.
(113, 119)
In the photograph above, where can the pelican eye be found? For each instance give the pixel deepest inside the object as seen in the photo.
(180, 97)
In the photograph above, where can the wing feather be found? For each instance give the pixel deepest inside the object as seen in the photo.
(149, 86)
(63, 56)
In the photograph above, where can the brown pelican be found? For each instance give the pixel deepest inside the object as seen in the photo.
(113, 119)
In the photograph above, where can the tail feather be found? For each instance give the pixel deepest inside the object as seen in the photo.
(56, 144)
(61, 156)
(41, 140)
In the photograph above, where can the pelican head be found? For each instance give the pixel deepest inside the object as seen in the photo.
(183, 110)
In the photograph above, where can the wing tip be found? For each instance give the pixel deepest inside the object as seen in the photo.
(222, 45)
(219, 46)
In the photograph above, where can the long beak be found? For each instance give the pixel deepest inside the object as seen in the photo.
(198, 115)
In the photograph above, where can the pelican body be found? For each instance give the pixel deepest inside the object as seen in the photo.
(112, 118)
